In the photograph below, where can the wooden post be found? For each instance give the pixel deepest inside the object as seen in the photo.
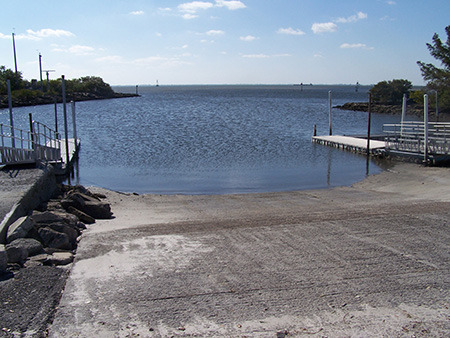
(369, 108)
(425, 127)
(66, 132)
(329, 113)
(315, 131)
(137, 90)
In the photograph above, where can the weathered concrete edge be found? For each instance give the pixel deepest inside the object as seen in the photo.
(41, 191)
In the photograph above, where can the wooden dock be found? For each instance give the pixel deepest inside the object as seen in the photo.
(355, 144)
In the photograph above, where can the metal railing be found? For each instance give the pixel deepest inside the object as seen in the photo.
(411, 136)
(18, 146)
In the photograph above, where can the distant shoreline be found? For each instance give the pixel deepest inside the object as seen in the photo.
(50, 99)
(413, 109)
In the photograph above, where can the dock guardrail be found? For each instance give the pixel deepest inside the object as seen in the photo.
(18, 146)
(410, 137)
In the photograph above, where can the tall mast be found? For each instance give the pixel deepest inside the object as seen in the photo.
(14, 49)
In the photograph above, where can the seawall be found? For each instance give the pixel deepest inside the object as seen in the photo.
(21, 191)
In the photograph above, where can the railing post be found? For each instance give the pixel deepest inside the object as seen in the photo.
(66, 135)
(425, 129)
(11, 120)
(74, 123)
(403, 114)
(33, 145)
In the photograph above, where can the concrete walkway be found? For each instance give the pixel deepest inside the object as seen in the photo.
(370, 260)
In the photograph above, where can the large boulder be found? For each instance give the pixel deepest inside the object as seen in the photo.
(19, 228)
(48, 217)
(32, 246)
(16, 254)
(71, 233)
(97, 209)
(83, 217)
(3, 258)
(54, 239)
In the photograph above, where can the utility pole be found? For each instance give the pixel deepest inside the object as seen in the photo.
(40, 71)
(14, 49)
(46, 72)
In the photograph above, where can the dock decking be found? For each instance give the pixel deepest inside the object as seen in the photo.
(350, 143)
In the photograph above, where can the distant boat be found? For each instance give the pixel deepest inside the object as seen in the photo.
(157, 84)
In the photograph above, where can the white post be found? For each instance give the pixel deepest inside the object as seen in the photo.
(403, 114)
(66, 135)
(74, 123)
(425, 125)
(329, 108)
(11, 120)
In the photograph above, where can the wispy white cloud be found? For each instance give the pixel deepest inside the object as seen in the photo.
(214, 32)
(326, 27)
(190, 9)
(248, 38)
(40, 34)
(256, 56)
(137, 13)
(194, 6)
(391, 3)
(353, 18)
(232, 5)
(75, 49)
(264, 56)
(189, 16)
(290, 31)
(355, 46)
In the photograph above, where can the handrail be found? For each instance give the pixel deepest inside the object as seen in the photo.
(18, 146)
(410, 137)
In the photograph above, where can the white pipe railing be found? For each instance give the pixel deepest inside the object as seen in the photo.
(412, 137)
(18, 146)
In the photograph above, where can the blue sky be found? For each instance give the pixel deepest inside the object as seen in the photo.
(223, 41)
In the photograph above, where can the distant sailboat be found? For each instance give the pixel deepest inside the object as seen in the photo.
(157, 84)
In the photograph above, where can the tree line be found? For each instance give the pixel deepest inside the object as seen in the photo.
(24, 89)
(438, 79)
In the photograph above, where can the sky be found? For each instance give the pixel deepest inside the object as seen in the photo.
(174, 42)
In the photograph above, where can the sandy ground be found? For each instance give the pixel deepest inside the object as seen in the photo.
(371, 260)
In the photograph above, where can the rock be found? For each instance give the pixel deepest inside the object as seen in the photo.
(39, 258)
(48, 217)
(54, 239)
(97, 210)
(71, 233)
(73, 200)
(19, 228)
(60, 258)
(3, 258)
(32, 246)
(83, 217)
(16, 254)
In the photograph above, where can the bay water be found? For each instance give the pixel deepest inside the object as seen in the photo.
(214, 139)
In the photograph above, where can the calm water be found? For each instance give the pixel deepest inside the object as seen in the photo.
(215, 139)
